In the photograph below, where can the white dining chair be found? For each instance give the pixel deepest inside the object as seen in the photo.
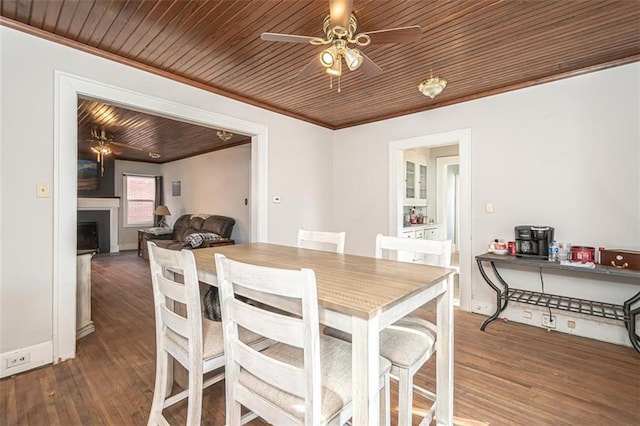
(437, 252)
(322, 240)
(409, 342)
(304, 378)
(193, 341)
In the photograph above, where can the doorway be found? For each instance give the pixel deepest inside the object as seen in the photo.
(448, 198)
(67, 88)
(462, 221)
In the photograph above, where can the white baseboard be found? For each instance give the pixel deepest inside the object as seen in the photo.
(602, 329)
(36, 356)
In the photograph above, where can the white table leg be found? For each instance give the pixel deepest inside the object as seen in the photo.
(444, 356)
(365, 364)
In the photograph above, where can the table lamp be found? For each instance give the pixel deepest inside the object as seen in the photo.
(161, 212)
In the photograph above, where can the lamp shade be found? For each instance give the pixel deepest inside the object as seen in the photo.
(353, 58)
(162, 211)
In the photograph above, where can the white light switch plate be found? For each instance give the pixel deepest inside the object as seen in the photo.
(488, 208)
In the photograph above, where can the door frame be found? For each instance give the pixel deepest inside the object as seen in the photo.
(67, 89)
(461, 137)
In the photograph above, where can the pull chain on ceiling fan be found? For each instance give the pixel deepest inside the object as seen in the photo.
(340, 28)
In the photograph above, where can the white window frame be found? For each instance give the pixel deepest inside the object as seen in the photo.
(125, 222)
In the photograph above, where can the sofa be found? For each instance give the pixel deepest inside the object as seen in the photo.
(198, 231)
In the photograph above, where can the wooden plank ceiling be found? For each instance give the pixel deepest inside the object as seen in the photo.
(482, 47)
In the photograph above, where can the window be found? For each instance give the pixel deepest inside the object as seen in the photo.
(140, 197)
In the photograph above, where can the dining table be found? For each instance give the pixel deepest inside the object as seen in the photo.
(362, 295)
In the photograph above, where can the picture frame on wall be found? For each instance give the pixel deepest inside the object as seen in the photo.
(175, 188)
(87, 175)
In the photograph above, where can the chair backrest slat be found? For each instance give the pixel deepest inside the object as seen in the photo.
(176, 323)
(441, 249)
(281, 328)
(321, 239)
(288, 377)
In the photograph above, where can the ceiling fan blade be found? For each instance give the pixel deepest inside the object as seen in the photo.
(287, 38)
(311, 68)
(340, 12)
(396, 35)
(125, 145)
(369, 67)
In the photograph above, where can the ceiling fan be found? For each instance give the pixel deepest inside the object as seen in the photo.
(103, 144)
(340, 28)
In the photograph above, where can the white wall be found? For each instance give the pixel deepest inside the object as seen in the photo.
(564, 154)
(213, 183)
(27, 156)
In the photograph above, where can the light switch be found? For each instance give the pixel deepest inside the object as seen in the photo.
(488, 208)
(42, 190)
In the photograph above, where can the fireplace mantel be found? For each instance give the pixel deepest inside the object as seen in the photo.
(111, 204)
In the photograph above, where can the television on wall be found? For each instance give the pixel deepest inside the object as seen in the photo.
(87, 175)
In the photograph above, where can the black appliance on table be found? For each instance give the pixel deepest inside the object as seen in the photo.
(533, 241)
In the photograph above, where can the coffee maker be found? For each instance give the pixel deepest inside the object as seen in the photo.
(533, 241)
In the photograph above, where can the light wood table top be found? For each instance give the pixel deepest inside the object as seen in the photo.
(355, 285)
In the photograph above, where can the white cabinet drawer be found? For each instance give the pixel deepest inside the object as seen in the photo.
(420, 233)
(432, 234)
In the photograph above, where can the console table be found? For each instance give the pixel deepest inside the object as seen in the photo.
(626, 312)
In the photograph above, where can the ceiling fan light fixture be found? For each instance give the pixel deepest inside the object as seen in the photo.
(353, 58)
(101, 149)
(328, 57)
(432, 87)
(155, 155)
(224, 135)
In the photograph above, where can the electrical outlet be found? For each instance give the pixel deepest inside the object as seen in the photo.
(571, 324)
(548, 321)
(526, 314)
(19, 359)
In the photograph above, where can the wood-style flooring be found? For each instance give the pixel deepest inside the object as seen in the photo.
(511, 374)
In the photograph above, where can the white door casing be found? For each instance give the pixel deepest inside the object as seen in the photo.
(463, 139)
(67, 89)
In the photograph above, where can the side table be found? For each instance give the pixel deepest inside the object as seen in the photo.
(144, 235)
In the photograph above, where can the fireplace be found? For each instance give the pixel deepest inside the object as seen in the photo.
(88, 236)
(87, 229)
(104, 211)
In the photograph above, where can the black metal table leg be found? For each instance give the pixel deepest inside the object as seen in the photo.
(500, 306)
(630, 320)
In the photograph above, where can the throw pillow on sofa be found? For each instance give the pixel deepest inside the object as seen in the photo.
(196, 239)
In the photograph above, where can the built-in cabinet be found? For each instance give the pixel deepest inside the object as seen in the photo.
(415, 178)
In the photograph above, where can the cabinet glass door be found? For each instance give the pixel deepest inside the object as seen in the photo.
(422, 182)
(410, 180)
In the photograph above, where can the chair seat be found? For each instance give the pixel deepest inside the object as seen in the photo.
(335, 378)
(403, 343)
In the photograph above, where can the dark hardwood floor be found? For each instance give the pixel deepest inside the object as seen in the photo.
(511, 374)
